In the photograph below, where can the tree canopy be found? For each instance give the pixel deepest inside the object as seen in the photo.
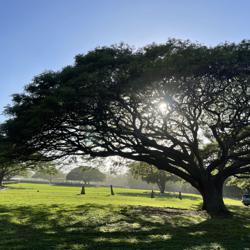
(9, 166)
(151, 174)
(48, 171)
(180, 106)
(85, 174)
(242, 182)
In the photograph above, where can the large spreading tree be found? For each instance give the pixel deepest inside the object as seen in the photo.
(180, 106)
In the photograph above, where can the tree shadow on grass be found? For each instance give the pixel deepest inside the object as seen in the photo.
(158, 195)
(12, 187)
(94, 226)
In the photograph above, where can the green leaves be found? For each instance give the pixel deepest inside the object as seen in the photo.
(86, 174)
(149, 173)
(109, 104)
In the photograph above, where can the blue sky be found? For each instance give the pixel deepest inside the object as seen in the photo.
(39, 35)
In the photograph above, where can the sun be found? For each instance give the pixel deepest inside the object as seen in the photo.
(162, 107)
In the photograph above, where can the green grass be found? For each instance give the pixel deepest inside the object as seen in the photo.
(45, 217)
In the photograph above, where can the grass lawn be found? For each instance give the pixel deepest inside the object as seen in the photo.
(35, 216)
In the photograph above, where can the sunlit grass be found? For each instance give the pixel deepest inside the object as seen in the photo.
(49, 194)
(56, 217)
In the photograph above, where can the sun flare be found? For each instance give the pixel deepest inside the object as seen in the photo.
(162, 107)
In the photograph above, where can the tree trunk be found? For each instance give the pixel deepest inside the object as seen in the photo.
(111, 190)
(162, 186)
(1, 180)
(213, 203)
(83, 190)
(152, 194)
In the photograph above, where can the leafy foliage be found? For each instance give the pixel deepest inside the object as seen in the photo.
(9, 167)
(242, 182)
(47, 172)
(86, 174)
(151, 174)
(162, 104)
